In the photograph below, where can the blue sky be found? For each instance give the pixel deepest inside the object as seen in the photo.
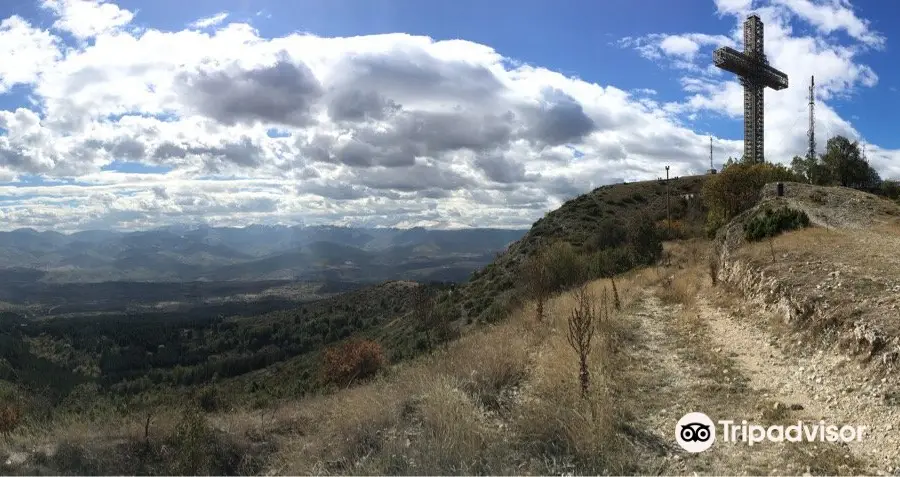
(235, 112)
(573, 37)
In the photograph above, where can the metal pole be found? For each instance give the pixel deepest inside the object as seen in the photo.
(668, 217)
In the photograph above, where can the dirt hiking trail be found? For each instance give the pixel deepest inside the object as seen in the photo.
(718, 356)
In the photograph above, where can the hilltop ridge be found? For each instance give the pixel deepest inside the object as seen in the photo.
(504, 398)
(839, 280)
(491, 291)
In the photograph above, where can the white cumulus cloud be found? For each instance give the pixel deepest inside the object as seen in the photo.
(139, 127)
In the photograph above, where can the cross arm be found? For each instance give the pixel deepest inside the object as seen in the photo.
(740, 64)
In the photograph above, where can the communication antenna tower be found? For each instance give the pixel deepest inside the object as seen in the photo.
(811, 154)
(712, 170)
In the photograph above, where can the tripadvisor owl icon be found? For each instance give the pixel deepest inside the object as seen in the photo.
(695, 432)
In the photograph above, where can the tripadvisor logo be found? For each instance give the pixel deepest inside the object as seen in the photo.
(696, 432)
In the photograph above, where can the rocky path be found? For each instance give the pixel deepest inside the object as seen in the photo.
(727, 363)
(830, 385)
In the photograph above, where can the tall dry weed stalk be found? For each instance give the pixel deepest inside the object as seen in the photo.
(581, 329)
(713, 264)
(772, 247)
(616, 302)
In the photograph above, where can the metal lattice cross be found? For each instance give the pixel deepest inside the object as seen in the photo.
(755, 73)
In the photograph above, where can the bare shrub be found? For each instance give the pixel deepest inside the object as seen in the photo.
(355, 360)
(772, 248)
(557, 424)
(10, 417)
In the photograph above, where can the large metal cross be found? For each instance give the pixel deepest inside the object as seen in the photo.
(755, 73)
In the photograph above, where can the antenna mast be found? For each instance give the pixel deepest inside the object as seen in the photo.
(811, 154)
(712, 170)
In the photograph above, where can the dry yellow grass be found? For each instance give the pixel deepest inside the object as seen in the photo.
(500, 400)
(504, 399)
(685, 271)
(850, 277)
(682, 287)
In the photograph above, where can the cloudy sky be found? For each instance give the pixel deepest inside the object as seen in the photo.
(137, 114)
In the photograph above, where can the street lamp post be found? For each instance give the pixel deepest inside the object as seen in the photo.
(668, 217)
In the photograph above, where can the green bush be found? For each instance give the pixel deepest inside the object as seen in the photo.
(607, 234)
(644, 240)
(208, 400)
(565, 266)
(773, 222)
(737, 189)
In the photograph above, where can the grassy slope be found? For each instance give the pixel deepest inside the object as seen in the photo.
(393, 326)
(245, 345)
(383, 312)
(502, 400)
(574, 222)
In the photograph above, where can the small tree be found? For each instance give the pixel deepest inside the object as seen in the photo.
(536, 275)
(890, 189)
(566, 268)
(580, 332)
(644, 240)
(195, 441)
(810, 169)
(424, 313)
(738, 188)
(841, 164)
(845, 166)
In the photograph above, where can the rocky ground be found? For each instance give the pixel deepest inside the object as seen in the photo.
(732, 362)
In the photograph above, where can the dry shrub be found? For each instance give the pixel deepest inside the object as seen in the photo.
(488, 365)
(712, 263)
(180, 444)
(341, 431)
(617, 303)
(10, 417)
(354, 360)
(363, 418)
(630, 286)
(418, 422)
(198, 447)
(684, 253)
(557, 424)
(453, 440)
(682, 288)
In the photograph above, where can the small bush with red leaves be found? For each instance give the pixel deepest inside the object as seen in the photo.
(9, 418)
(355, 360)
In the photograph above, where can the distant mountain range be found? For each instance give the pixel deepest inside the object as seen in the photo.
(257, 252)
